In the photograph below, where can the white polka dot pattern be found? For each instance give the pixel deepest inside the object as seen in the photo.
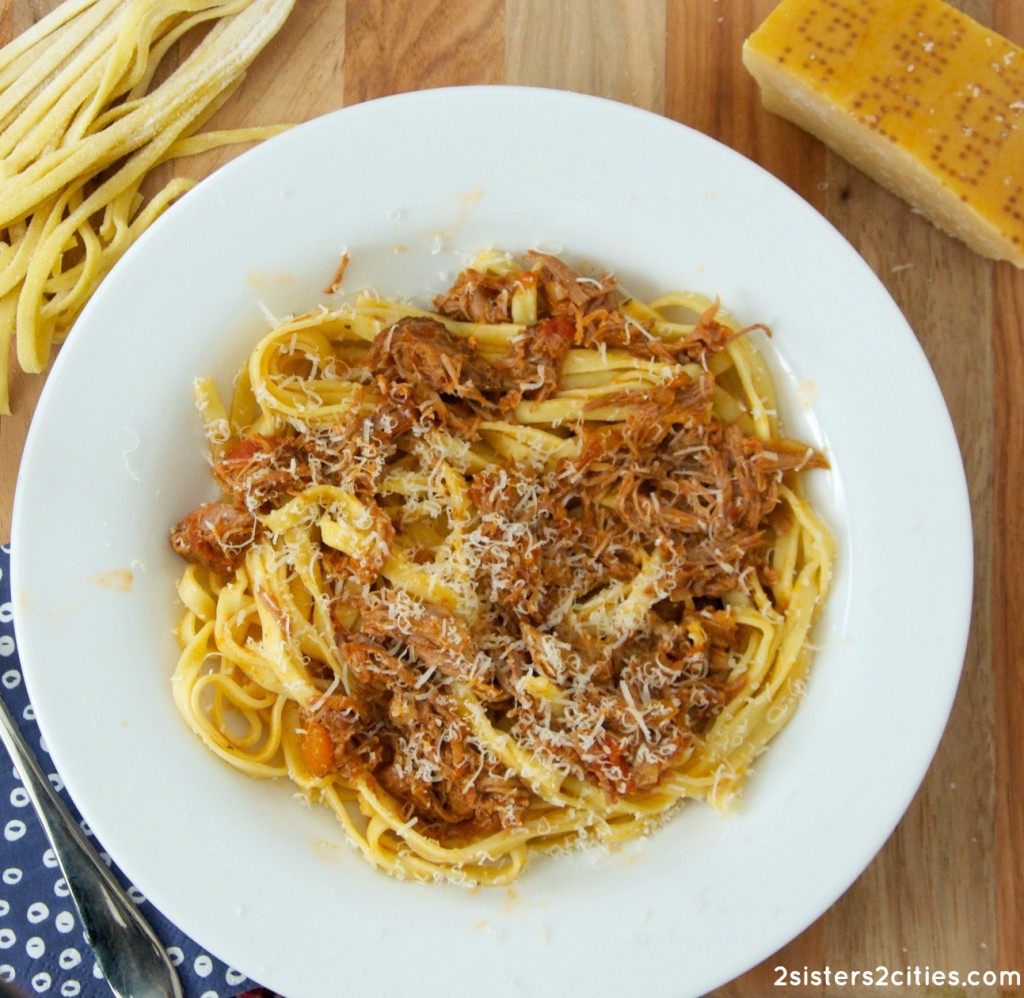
(42, 945)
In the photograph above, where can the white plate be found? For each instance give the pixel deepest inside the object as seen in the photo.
(411, 186)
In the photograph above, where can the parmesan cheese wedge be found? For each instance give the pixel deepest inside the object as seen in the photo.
(914, 93)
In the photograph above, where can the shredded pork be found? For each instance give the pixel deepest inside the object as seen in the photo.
(590, 622)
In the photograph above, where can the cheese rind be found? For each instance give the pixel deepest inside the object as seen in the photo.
(914, 93)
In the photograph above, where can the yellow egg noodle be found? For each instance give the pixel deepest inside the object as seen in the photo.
(263, 645)
(83, 123)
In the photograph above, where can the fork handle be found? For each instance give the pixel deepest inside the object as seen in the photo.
(132, 958)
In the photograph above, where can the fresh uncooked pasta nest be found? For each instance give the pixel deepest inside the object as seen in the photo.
(82, 125)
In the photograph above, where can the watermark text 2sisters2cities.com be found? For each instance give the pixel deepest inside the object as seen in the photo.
(894, 977)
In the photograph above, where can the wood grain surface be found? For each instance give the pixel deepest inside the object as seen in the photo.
(947, 890)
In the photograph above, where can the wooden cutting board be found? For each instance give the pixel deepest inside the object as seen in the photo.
(946, 891)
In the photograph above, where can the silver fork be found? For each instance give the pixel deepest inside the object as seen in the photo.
(126, 948)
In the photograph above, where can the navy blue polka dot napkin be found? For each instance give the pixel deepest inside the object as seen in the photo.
(42, 944)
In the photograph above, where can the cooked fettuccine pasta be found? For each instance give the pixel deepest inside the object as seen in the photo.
(513, 574)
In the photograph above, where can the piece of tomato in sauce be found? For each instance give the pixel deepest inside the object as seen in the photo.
(318, 749)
